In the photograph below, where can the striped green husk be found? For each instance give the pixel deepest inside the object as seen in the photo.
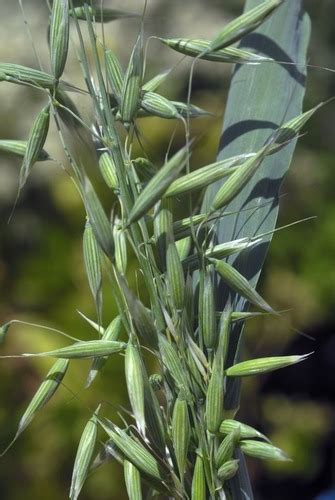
(198, 480)
(133, 481)
(207, 309)
(224, 333)
(104, 15)
(83, 349)
(181, 433)
(242, 316)
(19, 148)
(243, 24)
(158, 185)
(173, 363)
(35, 143)
(228, 470)
(59, 36)
(135, 383)
(132, 84)
(290, 129)
(163, 229)
(246, 431)
(112, 332)
(135, 452)
(158, 105)
(220, 251)
(92, 260)
(227, 447)
(195, 48)
(108, 170)
(168, 110)
(115, 74)
(84, 456)
(24, 74)
(120, 243)
(204, 176)
(238, 179)
(264, 451)
(175, 275)
(263, 365)
(183, 247)
(44, 393)
(98, 219)
(215, 395)
(153, 84)
(240, 284)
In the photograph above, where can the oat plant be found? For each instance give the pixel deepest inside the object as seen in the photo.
(180, 331)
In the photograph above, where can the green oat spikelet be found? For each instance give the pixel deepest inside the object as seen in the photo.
(59, 36)
(82, 350)
(43, 394)
(132, 84)
(247, 432)
(207, 314)
(35, 143)
(227, 447)
(175, 275)
(181, 432)
(243, 24)
(264, 451)
(263, 365)
(133, 481)
(158, 185)
(84, 455)
(134, 451)
(198, 480)
(92, 260)
(201, 49)
(228, 470)
(115, 74)
(240, 284)
(19, 148)
(108, 170)
(135, 383)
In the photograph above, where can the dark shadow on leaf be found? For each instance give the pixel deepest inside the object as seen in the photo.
(243, 127)
(264, 45)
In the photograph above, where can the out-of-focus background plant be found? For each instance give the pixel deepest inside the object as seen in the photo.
(42, 278)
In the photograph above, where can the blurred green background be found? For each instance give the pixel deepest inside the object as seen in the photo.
(42, 279)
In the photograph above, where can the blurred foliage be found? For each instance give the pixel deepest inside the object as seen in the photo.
(41, 268)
